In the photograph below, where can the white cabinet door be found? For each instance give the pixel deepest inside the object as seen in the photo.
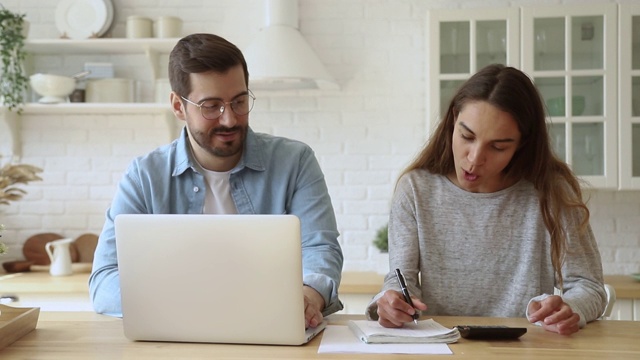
(355, 304)
(622, 310)
(571, 53)
(461, 42)
(629, 102)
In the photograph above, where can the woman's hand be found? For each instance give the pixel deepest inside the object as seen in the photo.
(393, 311)
(555, 315)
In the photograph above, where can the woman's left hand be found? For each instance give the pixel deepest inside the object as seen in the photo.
(555, 315)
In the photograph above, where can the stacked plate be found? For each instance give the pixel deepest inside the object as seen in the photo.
(84, 19)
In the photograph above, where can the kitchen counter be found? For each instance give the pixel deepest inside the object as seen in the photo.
(49, 293)
(42, 282)
(626, 286)
(353, 282)
(361, 282)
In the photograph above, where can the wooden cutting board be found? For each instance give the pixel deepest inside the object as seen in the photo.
(86, 246)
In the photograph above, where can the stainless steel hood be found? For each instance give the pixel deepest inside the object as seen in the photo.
(279, 58)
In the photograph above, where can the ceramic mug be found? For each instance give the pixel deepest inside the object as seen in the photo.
(167, 27)
(139, 27)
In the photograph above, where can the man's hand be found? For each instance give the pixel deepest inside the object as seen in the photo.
(313, 305)
(555, 315)
(393, 311)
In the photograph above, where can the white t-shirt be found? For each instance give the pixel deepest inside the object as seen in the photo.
(218, 199)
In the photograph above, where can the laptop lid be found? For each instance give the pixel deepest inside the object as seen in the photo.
(212, 278)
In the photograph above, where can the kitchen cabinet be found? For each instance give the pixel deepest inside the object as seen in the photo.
(571, 53)
(623, 310)
(629, 96)
(576, 52)
(357, 288)
(461, 42)
(627, 305)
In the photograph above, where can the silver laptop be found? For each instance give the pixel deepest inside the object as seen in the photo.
(212, 278)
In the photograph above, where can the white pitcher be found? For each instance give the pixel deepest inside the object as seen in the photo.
(60, 257)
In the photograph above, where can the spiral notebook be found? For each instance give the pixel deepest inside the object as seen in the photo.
(212, 278)
(425, 332)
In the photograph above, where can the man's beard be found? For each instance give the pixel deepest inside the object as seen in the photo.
(229, 148)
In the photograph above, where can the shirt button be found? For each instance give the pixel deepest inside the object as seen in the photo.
(196, 189)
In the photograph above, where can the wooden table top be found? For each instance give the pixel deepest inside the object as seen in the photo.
(85, 335)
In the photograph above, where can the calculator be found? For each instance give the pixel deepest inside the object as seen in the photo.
(487, 332)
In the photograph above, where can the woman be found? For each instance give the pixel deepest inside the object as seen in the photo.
(487, 220)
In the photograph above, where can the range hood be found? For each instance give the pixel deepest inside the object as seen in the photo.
(279, 58)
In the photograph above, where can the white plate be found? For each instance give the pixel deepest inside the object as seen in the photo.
(107, 24)
(83, 19)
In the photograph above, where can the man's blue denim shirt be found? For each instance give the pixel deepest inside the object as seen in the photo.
(274, 176)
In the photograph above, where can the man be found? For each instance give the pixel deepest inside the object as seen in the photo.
(218, 165)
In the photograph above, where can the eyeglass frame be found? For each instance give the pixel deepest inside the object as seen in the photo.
(223, 106)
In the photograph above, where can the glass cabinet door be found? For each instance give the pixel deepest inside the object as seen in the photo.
(570, 53)
(629, 90)
(460, 43)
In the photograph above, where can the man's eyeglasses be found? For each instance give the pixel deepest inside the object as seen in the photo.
(213, 109)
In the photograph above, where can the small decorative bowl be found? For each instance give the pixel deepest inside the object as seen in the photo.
(53, 88)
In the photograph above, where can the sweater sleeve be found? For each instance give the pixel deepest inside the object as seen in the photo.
(583, 284)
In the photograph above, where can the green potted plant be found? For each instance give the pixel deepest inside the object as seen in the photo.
(381, 241)
(14, 81)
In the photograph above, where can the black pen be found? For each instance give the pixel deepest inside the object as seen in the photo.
(405, 293)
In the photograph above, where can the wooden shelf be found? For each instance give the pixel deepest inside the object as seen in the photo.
(98, 46)
(93, 108)
(11, 145)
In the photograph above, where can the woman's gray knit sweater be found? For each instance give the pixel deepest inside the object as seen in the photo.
(484, 254)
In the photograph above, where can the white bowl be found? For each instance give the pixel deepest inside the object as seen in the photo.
(53, 88)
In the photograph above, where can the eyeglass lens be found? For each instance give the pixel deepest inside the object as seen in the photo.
(212, 109)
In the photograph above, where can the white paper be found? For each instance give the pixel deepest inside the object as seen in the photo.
(340, 339)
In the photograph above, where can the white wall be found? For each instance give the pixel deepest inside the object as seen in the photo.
(363, 134)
